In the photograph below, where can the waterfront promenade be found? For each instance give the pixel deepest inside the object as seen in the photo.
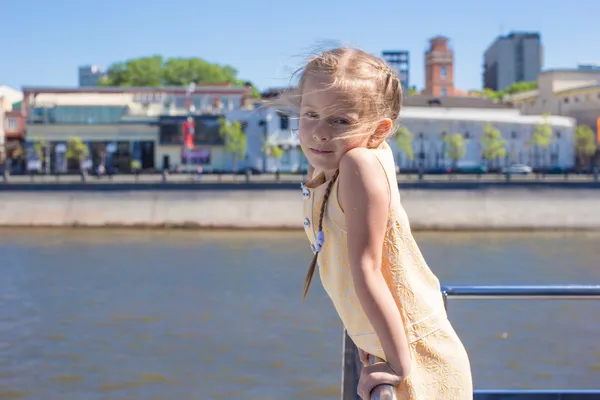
(434, 204)
(284, 178)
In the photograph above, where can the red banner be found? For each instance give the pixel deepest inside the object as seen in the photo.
(189, 128)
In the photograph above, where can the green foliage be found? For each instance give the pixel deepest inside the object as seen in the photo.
(135, 165)
(520, 87)
(493, 145)
(156, 71)
(412, 90)
(517, 87)
(234, 137)
(542, 134)
(39, 145)
(585, 141)
(276, 151)
(273, 150)
(404, 142)
(76, 149)
(455, 147)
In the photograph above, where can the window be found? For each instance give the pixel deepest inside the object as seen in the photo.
(11, 124)
(444, 92)
(84, 115)
(284, 121)
(206, 132)
(444, 72)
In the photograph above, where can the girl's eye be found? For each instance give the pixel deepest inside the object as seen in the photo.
(340, 121)
(311, 115)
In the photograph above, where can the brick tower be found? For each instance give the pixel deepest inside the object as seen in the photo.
(439, 70)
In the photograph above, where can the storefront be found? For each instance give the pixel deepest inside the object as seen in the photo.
(208, 151)
(114, 147)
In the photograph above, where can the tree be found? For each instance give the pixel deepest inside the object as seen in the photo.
(235, 139)
(276, 152)
(520, 87)
(455, 147)
(541, 138)
(404, 142)
(136, 168)
(412, 90)
(585, 143)
(156, 71)
(493, 145)
(39, 146)
(77, 150)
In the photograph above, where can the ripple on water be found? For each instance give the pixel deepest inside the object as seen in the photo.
(320, 392)
(66, 378)
(143, 380)
(10, 394)
(135, 318)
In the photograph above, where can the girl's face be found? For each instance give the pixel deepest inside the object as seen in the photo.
(327, 113)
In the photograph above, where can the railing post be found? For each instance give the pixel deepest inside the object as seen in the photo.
(351, 368)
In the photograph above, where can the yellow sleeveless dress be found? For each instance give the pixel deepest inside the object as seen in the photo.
(440, 364)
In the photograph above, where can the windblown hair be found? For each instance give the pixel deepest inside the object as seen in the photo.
(374, 92)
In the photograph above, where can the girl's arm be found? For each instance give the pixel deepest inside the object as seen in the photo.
(364, 195)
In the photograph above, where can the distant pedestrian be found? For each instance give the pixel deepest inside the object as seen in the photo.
(198, 173)
(370, 265)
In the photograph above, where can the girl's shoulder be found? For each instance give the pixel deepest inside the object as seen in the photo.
(362, 176)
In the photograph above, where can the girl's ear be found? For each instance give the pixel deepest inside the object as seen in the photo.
(381, 132)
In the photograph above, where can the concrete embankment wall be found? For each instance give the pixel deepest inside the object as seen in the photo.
(428, 209)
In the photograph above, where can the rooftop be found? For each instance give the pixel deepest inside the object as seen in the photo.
(219, 87)
(508, 116)
(452, 102)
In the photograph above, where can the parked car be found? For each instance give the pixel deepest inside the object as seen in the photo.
(518, 169)
(470, 169)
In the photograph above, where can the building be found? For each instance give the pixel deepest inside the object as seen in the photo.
(122, 124)
(2, 134)
(400, 61)
(90, 75)
(9, 97)
(589, 67)
(12, 127)
(513, 58)
(572, 93)
(439, 68)
(430, 119)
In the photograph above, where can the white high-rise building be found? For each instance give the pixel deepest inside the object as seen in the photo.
(513, 58)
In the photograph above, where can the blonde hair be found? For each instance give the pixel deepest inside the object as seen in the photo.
(376, 95)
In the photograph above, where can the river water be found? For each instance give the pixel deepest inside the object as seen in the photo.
(107, 314)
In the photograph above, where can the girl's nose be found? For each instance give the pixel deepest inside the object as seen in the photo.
(320, 136)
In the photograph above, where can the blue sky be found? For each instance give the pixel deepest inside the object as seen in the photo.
(45, 41)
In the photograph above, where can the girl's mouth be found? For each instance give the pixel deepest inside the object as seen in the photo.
(320, 152)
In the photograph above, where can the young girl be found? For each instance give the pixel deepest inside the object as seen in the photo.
(387, 297)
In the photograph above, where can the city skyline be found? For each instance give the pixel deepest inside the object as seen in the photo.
(263, 43)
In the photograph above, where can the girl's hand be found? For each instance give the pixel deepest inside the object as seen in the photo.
(375, 375)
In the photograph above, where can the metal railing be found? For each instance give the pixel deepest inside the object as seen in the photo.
(352, 365)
